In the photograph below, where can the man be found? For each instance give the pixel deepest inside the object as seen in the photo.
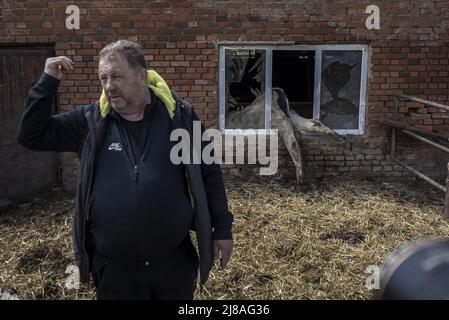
(134, 207)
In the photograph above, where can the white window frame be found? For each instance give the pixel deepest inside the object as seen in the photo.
(317, 81)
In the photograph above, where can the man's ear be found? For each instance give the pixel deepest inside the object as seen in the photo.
(143, 77)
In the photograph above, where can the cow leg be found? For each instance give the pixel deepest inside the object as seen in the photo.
(282, 122)
(293, 147)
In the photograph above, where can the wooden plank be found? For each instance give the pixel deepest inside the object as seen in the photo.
(399, 125)
(426, 141)
(425, 102)
(422, 176)
(446, 200)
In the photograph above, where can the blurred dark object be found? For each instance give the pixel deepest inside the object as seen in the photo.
(416, 271)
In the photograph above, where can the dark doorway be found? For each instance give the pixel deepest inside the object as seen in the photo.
(294, 72)
(22, 172)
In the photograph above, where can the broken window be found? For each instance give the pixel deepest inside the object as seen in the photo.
(245, 86)
(325, 82)
(340, 89)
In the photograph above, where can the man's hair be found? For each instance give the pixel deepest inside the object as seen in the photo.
(130, 51)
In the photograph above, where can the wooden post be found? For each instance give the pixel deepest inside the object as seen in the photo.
(396, 106)
(446, 201)
(393, 143)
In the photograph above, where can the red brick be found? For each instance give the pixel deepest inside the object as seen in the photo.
(400, 62)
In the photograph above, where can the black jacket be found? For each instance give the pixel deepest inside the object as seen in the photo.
(82, 130)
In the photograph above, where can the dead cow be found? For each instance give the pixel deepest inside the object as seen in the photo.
(288, 123)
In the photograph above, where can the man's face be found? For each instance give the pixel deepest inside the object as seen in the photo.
(124, 86)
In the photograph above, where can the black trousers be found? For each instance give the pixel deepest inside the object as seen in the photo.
(169, 278)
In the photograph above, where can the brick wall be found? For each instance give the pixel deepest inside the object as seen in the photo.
(408, 55)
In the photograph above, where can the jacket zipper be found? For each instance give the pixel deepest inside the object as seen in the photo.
(135, 166)
(129, 150)
(136, 173)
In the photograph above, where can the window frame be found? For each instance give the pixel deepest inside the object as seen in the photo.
(317, 80)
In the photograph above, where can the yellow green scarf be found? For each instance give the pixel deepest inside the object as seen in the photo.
(155, 83)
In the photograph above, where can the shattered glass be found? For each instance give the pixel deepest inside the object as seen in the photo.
(340, 88)
(244, 86)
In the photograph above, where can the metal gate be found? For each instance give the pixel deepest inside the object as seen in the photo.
(22, 172)
(417, 133)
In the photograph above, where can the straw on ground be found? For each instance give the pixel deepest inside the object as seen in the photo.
(290, 242)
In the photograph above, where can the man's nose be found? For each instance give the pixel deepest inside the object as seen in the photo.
(109, 86)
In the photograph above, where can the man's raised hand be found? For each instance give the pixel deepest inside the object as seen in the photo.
(56, 66)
